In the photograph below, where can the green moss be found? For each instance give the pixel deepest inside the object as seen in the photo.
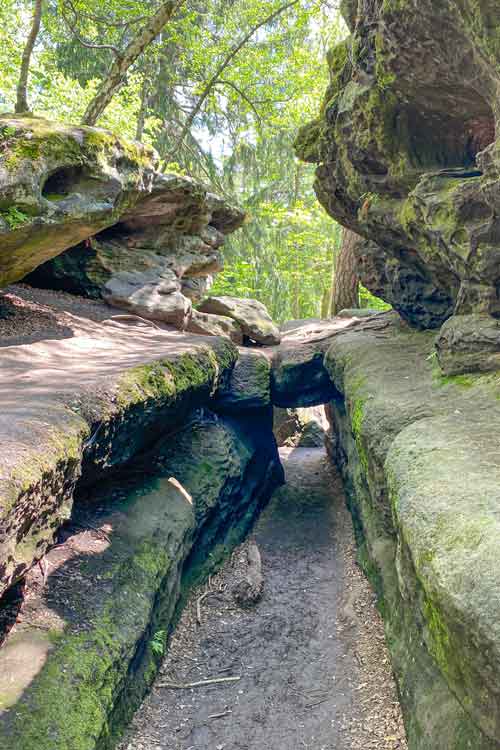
(61, 448)
(408, 216)
(168, 379)
(462, 381)
(145, 382)
(22, 150)
(102, 144)
(357, 417)
(337, 58)
(308, 142)
(385, 77)
(439, 635)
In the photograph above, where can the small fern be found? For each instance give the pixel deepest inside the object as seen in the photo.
(15, 218)
(158, 643)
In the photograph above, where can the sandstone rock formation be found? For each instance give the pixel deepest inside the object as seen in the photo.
(159, 258)
(249, 385)
(73, 650)
(409, 153)
(300, 428)
(419, 452)
(144, 241)
(299, 377)
(60, 185)
(113, 446)
(215, 325)
(251, 315)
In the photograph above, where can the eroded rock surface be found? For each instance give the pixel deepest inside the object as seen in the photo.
(249, 314)
(215, 325)
(129, 546)
(87, 404)
(408, 149)
(144, 241)
(157, 260)
(299, 377)
(419, 453)
(300, 428)
(61, 184)
(249, 384)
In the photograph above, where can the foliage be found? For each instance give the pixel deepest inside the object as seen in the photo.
(157, 643)
(14, 217)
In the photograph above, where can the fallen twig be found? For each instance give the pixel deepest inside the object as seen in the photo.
(221, 715)
(198, 606)
(89, 527)
(316, 703)
(178, 486)
(201, 683)
(149, 323)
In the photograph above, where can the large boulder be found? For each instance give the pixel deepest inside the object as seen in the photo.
(61, 184)
(215, 325)
(86, 212)
(159, 258)
(248, 386)
(251, 316)
(153, 299)
(408, 148)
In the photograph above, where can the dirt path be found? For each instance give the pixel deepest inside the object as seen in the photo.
(311, 657)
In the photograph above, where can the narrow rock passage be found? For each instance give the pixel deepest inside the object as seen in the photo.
(314, 669)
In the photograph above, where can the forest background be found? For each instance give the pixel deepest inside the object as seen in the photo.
(220, 91)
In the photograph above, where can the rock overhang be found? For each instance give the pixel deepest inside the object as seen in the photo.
(90, 213)
(408, 153)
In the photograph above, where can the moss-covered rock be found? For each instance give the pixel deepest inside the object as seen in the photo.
(249, 386)
(408, 152)
(92, 657)
(59, 185)
(419, 453)
(54, 433)
(132, 235)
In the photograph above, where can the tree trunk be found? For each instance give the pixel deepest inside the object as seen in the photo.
(345, 288)
(22, 86)
(120, 66)
(141, 117)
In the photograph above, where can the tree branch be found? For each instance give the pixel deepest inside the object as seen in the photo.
(241, 93)
(118, 70)
(225, 64)
(81, 40)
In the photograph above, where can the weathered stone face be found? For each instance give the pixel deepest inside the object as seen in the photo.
(419, 453)
(59, 185)
(157, 259)
(408, 154)
(142, 240)
(250, 314)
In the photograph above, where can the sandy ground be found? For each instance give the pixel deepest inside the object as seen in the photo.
(309, 664)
